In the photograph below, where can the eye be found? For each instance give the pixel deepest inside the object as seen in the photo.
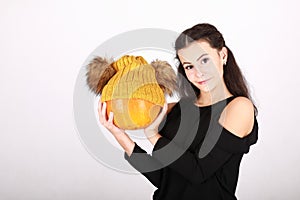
(187, 67)
(204, 60)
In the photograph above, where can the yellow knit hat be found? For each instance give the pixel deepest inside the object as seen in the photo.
(134, 78)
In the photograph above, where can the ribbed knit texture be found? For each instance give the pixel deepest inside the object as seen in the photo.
(135, 78)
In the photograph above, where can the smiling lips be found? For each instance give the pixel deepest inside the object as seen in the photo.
(203, 82)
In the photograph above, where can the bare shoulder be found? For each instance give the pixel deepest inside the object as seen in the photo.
(238, 116)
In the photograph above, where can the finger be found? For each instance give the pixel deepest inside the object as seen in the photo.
(110, 124)
(165, 108)
(99, 105)
(111, 117)
(100, 112)
(104, 110)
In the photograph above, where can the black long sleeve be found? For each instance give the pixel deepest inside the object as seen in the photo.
(189, 165)
(144, 163)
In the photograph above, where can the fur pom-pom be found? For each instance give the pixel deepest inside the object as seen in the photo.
(165, 76)
(98, 73)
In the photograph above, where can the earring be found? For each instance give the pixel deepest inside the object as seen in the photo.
(224, 62)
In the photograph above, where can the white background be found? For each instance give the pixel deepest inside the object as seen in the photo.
(43, 45)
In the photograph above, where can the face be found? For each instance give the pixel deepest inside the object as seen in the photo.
(203, 65)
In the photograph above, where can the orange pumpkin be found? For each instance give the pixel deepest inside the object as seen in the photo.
(132, 113)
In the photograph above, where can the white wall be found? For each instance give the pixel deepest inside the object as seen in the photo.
(43, 45)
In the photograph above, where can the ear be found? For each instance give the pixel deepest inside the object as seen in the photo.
(99, 71)
(224, 54)
(165, 76)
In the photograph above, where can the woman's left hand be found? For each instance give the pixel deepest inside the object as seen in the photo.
(151, 131)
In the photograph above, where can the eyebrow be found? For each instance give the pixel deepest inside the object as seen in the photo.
(196, 60)
(201, 56)
(185, 63)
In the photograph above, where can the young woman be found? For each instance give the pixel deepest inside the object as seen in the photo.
(198, 151)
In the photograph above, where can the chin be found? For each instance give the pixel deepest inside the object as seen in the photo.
(203, 89)
(206, 88)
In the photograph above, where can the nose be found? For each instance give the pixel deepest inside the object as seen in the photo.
(198, 71)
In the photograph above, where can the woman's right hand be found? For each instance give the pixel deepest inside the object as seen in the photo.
(108, 123)
(123, 139)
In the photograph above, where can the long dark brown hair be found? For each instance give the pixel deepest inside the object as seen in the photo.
(233, 77)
